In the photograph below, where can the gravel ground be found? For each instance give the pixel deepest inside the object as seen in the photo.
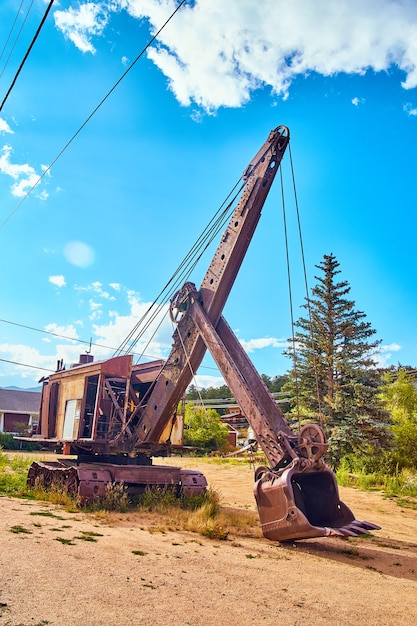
(60, 568)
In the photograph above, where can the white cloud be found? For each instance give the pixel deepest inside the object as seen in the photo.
(25, 355)
(4, 127)
(203, 381)
(383, 357)
(81, 24)
(96, 309)
(216, 53)
(97, 289)
(357, 101)
(43, 195)
(410, 110)
(264, 342)
(65, 331)
(58, 280)
(155, 341)
(24, 174)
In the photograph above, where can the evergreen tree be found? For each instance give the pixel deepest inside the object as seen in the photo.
(335, 378)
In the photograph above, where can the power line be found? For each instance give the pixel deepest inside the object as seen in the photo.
(38, 30)
(83, 341)
(59, 336)
(102, 101)
(17, 36)
(10, 32)
(35, 367)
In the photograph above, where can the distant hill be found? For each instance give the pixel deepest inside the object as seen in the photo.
(35, 389)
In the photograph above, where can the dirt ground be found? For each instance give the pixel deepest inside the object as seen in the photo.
(129, 573)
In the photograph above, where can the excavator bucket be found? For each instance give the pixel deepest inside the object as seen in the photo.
(301, 502)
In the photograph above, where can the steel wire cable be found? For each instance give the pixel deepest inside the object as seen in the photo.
(32, 43)
(287, 256)
(307, 292)
(17, 38)
(11, 30)
(84, 124)
(67, 337)
(188, 264)
(183, 272)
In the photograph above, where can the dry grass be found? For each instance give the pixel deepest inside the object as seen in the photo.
(161, 512)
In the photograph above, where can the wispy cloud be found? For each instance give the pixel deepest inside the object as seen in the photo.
(410, 110)
(58, 280)
(81, 24)
(217, 53)
(263, 342)
(65, 331)
(4, 127)
(384, 355)
(98, 290)
(24, 174)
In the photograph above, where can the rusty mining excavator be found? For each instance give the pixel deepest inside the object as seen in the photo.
(115, 416)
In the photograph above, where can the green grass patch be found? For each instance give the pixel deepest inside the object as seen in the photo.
(65, 542)
(20, 530)
(401, 485)
(47, 514)
(86, 538)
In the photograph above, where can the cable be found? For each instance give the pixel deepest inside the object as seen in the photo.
(17, 38)
(83, 341)
(27, 53)
(183, 272)
(46, 369)
(315, 367)
(190, 261)
(188, 264)
(10, 32)
(102, 101)
(294, 352)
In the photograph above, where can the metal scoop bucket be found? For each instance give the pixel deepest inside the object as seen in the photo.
(302, 501)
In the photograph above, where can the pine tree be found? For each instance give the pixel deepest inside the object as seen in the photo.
(335, 377)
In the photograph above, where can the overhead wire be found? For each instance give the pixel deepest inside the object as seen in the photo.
(68, 338)
(84, 124)
(35, 367)
(11, 30)
(38, 30)
(17, 36)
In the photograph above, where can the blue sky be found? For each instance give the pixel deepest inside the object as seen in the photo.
(87, 251)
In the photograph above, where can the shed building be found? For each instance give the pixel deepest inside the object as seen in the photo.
(19, 410)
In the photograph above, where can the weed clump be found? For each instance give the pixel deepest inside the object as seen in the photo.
(115, 498)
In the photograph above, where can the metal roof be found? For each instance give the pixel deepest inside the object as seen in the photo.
(19, 401)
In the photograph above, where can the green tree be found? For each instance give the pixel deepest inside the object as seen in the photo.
(335, 378)
(204, 429)
(208, 394)
(275, 383)
(400, 398)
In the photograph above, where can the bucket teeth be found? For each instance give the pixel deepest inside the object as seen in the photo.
(370, 526)
(355, 528)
